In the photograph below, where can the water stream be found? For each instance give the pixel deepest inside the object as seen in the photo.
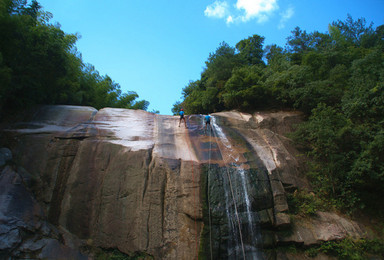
(243, 237)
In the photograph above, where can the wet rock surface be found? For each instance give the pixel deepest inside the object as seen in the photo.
(135, 181)
(24, 230)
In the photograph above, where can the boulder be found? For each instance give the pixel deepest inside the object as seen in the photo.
(324, 226)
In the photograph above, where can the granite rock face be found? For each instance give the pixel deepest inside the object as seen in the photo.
(24, 231)
(135, 181)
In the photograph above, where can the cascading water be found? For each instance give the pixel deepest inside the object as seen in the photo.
(242, 237)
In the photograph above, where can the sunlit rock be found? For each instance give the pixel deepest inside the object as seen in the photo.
(138, 182)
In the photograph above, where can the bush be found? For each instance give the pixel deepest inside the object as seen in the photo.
(349, 248)
(304, 203)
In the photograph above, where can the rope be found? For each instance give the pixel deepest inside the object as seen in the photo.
(234, 203)
(209, 204)
(194, 195)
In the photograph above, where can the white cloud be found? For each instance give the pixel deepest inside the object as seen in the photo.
(259, 9)
(285, 16)
(242, 10)
(217, 9)
(229, 19)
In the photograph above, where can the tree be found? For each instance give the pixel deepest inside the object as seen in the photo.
(364, 102)
(220, 64)
(192, 86)
(325, 132)
(251, 50)
(353, 31)
(36, 55)
(39, 64)
(176, 108)
(379, 37)
(276, 58)
(320, 41)
(244, 91)
(299, 41)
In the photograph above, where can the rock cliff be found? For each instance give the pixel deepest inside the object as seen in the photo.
(135, 181)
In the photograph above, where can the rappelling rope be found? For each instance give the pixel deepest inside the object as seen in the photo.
(209, 204)
(194, 195)
(234, 202)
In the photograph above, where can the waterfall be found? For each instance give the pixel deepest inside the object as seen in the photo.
(243, 240)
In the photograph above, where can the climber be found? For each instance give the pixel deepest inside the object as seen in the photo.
(181, 113)
(207, 122)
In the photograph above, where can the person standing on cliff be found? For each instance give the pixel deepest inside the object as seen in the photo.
(181, 113)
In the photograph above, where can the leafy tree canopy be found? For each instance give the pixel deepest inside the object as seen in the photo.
(39, 64)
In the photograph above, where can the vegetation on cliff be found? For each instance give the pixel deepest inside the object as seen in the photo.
(336, 78)
(39, 64)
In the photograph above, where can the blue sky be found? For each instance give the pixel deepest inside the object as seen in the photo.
(155, 47)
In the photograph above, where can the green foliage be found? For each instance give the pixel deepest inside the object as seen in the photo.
(304, 203)
(216, 90)
(220, 65)
(299, 41)
(346, 140)
(243, 91)
(127, 100)
(350, 248)
(353, 32)
(251, 50)
(155, 111)
(365, 100)
(336, 78)
(176, 108)
(328, 133)
(277, 59)
(39, 64)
